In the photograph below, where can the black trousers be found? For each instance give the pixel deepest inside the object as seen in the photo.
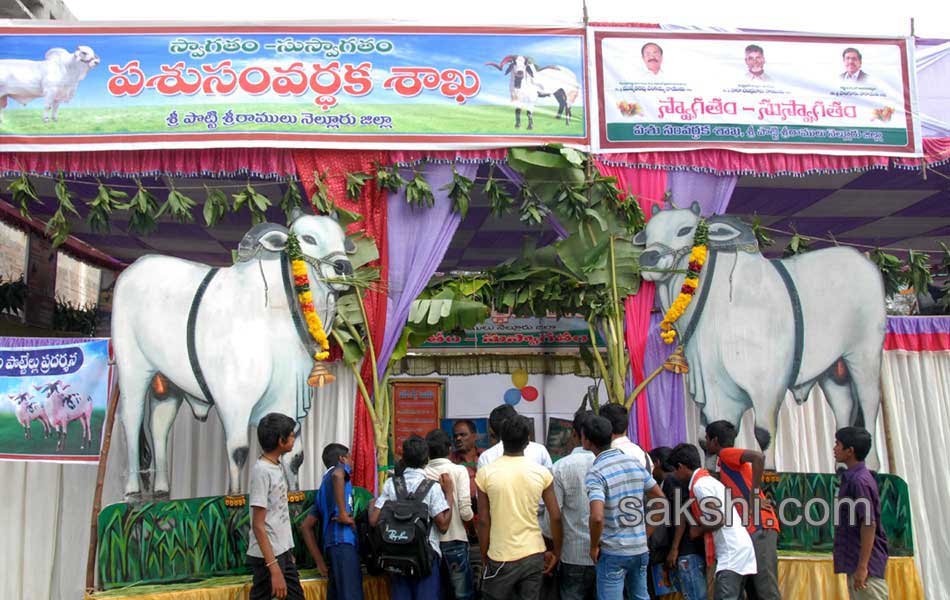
(261, 584)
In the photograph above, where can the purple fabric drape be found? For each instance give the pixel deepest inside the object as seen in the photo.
(666, 394)
(418, 239)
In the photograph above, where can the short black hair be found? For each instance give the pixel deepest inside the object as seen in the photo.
(515, 434)
(855, 50)
(754, 48)
(415, 451)
(597, 430)
(686, 455)
(644, 48)
(857, 438)
(467, 422)
(332, 454)
(273, 428)
(661, 457)
(724, 431)
(439, 443)
(617, 415)
(579, 418)
(499, 415)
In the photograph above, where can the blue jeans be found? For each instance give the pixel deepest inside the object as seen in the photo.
(614, 571)
(346, 577)
(412, 588)
(459, 569)
(689, 578)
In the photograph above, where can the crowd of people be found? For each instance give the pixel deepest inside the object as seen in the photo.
(607, 521)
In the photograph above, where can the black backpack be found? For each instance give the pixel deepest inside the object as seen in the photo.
(402, 532)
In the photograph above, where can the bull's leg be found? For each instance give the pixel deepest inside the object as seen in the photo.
(133, 387)
(162, 419)
(567, 115)
(292, 461)
(517, 118)
(45, 423)
(530, 119)
(3, 105)
(235, 433)
(55, 112)
(561, 98)
(864, 368)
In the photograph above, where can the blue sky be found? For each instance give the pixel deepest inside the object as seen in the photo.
(439, 51)
(92, 377)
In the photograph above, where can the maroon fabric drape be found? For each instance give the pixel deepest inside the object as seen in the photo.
(372, 205)
(649, 186)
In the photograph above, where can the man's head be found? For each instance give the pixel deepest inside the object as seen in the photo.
(652, 56)
(335, 454)
(276, 431)
(617, 415)
(719, 435)
(852, 445)
(597, 434)
(580, 417)
(465, 435)
(661, 466)
(852, 60)
(415, 452)
(499, 415)
(515, 433)
(439, 444)
(685, 460)
(755, 59)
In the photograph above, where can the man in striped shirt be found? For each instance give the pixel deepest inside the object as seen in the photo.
(616, 485)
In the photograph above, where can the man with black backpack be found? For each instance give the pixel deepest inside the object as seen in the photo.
(407, 519)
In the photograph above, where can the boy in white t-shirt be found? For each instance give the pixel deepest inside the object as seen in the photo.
(735, 554)
(271, 543)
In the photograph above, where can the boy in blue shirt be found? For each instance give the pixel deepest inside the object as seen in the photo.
(333, 507)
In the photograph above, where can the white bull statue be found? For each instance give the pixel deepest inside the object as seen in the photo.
(757, 327)
(231, 338)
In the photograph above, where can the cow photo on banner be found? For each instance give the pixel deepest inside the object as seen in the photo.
(53, 399)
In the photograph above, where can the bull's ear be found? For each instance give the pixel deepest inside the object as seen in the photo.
(511, 65)
(722, 232)
(275, 241)
(640, 239)
(530, 69)
(655, 209)
(349, 246)
(696, 208)
(295, 214)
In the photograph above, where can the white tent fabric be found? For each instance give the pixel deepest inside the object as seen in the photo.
(46, 507)
(933, 94)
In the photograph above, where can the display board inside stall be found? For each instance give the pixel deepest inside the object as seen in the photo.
(417, 408)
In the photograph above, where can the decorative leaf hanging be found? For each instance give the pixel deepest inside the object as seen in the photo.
(23, 194)
(499, 198)
(144, 211)
(891, 270)
(388, 178)
(460, 192)
(292, 199)
(101, 207)
(178, 205)
(256, 203)
(216, 206)
(355, 183)
(419, 193)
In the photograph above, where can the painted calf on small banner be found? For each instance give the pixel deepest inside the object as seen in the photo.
(62, 408)
(757, 327)
(29, 410)
(230, 338)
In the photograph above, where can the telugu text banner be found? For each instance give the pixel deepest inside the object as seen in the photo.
(121, 87)
(771, 93)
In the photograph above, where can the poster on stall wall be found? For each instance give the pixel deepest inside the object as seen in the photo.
(194, 86)
(417, 409)
(53, 396)
(754, 93)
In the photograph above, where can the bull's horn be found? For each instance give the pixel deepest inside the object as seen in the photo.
(295, 214)
(504, 62)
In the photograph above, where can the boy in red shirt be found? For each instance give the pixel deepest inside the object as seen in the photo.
(741, 471)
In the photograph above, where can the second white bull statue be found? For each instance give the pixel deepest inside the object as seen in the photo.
(230, 338)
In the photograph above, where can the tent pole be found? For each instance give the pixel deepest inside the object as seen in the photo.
(97, 497)
(888, 442)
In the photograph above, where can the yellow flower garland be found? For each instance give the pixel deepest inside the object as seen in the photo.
(305, 298)
(697, 258)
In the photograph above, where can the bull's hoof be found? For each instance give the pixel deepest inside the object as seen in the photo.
(235, 501)
(530, 127)
(161, 495)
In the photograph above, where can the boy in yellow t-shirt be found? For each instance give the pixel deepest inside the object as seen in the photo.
(510, 490)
